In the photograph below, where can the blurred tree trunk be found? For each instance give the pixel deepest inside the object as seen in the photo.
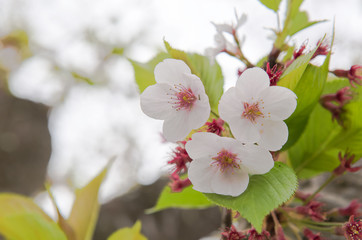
(177, 224)
(24, 144)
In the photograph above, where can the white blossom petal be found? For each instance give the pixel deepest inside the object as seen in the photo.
(280, 102)
(171, 71)
(211, 54)
(177, 127)
(255, 159)
(155, 101)
(252, 82)
(230, 183)
(203, 144)
(274, 134)
(200, 173)
(192, 81)
(230, 105)
(240, 20)
(223, 27)
(244, 130)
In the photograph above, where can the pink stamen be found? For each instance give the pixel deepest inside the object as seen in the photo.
(182, 97)
(226, 160)
(251, 112)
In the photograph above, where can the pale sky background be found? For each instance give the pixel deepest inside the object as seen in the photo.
(91, 124)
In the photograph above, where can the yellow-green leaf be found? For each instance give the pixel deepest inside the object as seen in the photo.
(22, 219)
(271, 4)
(84, 214)
(187, 199)
(133, 233)
(143, 72)
(62, 222)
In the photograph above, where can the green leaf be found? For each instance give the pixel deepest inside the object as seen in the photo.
(210, 74)
(300, 22)
(271, 4)
(317, 149)
(84, 214)
(288, 53)
(22, 219)
(133, 233)
(144, 74)
(118, 51)
(187, 199)
(308, 90)
(264, 193)
(294, 72)
(261, 62)
(62, 222)
(295, 21)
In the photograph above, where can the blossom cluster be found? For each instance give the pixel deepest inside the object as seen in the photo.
(221, 161)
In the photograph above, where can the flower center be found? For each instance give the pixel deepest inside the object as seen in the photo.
(251, 112)
(354, 230)
(226, 160)
(182, 97)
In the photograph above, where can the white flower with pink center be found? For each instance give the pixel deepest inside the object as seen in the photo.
(178, 97)
(222, 165)
(255, 110)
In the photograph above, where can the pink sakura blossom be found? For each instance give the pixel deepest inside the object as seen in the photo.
(255, 110)
(222, 165)
(178, 97)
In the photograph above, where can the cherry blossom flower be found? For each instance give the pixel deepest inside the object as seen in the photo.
(222, 45)
(310, 235)
(177, 184)
(353, 229)
(216, 126)
(180, 159)
(232, 234)
(274, 74)
(221, 165)
(354, 74)
(352, 209)
(255, 110)
(346, 161)
(254, 235)
(312, 210)
(178, 97)
(231, 28)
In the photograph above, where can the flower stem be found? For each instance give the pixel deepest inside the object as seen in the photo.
(295, 230)
(215, 114)
(277, 227)
(320, 188)
(321, 224)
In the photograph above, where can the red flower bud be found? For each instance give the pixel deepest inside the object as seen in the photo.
(345, 165)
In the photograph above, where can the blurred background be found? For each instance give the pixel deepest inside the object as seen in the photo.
(69, 103)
